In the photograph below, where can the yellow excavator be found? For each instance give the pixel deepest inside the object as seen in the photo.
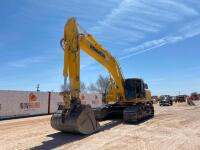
(129, 98)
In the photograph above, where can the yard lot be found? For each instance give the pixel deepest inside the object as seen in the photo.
(173, 127)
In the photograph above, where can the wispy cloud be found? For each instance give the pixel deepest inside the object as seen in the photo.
(188, 31)
(181, 7)
(136, 19)
(24, 62)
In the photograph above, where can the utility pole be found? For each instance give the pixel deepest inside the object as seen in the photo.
(38, 87)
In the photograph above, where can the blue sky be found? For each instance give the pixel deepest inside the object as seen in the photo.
(156, 40)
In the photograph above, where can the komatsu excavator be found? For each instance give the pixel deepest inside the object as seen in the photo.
(127, 97)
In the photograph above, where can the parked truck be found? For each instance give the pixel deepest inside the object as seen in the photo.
(165, 100)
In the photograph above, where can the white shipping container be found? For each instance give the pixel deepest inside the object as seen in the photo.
(22, 103)
(27, 103)
(55, 100)
(92, 99)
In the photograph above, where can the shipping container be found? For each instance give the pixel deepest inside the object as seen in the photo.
(28, 103)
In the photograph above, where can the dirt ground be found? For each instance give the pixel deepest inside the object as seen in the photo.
(173, 127)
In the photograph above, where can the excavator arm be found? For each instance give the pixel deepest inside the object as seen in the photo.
(71, 62)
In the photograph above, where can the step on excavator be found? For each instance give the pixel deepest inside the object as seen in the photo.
(129, 98)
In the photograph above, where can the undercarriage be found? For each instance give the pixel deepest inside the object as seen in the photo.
(128, 112)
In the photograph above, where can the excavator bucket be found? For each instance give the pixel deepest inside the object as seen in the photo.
(77, 120)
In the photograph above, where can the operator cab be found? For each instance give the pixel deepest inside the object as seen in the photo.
(134, 88)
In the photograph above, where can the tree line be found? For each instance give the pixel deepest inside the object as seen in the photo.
(101, 85)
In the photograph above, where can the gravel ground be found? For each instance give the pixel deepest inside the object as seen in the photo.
(173, 127)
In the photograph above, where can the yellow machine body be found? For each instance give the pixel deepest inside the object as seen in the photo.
(84, 121)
